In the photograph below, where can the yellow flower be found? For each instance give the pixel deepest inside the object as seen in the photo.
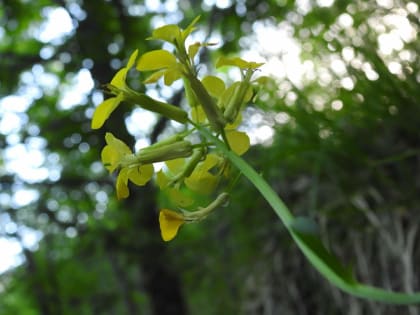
(139, 175)
(202, 180)
(113, 152)
(163, 63)
(116, 154)
(122, 92)
(170, 222)
(105, 109)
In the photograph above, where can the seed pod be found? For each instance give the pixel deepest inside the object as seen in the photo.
(238, 98)
(213, 113)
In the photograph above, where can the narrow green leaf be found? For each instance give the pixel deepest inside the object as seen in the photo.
(305, 225)
(322, 260)
(313, 246)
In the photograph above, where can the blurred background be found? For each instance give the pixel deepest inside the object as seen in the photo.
(337, 136)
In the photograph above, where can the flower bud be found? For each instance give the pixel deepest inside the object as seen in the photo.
(179, 149)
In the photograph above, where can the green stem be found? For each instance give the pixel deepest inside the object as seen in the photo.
(146, 102)
(225, 139)
(279, 207)
(203, 212)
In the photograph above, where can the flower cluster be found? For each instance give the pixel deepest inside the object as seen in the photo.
(193, 166)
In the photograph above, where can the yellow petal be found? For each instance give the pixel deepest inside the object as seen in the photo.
(132, 59)
(119, 78)
(202, 182)
(161, 179)
(214, 85)
(176, 165)
(141, 175)
(193, 49)
(103, 111)
(170, 222)
(110, 158)
(171, 75)
(155, 76)
(190, 28)
(117, 144)
(113, 152)
(121, 184)
(238, 141)
(209, 162)
(236, 123)
(238, 62)
(155, 60)
(167, 33)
